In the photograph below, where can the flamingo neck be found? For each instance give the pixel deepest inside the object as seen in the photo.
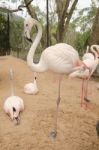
(93, 51)
(12, 82)
(31, 64)
(34, 82)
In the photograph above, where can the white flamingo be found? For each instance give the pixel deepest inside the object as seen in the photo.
(60, 58)
(13, 105)
(31, 88)
(85, 71)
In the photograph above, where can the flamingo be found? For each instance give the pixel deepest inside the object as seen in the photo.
(13, 105)
(31, 88)
(85, 71)
(60, 58)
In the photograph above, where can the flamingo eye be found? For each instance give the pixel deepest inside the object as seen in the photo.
(26, 25)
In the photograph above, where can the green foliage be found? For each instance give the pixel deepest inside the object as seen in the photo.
(82, 41)
(84, 22)
(16, 29)
(4, 39)
(85, 17)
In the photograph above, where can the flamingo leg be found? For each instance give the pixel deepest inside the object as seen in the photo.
(83, 102)
(54, 132)
(86, 93)
(86, 88)
(82, 93)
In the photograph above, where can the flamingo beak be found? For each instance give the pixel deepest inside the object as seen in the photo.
(27, 36)
(17, 120)
(30, 40)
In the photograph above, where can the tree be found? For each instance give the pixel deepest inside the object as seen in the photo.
(4, 37)
(65, 9)
(85, 17)
(84, 22)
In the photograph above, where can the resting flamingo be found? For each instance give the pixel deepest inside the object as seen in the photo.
(85, 71)
(60, 58)
(13, 105)
(31, 88)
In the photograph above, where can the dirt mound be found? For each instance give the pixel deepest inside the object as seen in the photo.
(76, 126)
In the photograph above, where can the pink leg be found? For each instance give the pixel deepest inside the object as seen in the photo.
(82, 92)
(86, 88)
(53, 134)
(56, 78)
(83, 103)
(86, 93)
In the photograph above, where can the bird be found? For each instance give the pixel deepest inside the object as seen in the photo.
(13, 105)
(31, 88)
(85, 71)
(60, 58)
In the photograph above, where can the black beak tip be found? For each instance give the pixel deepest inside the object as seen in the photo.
(86, 99)
(30, 40)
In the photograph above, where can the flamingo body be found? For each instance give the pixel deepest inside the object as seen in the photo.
(60, 58)
(88, 56)
(13, 102)
(13, 105)
(31, 88)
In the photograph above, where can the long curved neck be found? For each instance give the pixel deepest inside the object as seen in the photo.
(93, 51)
(12, 84)
(87, 50)
(31, 64)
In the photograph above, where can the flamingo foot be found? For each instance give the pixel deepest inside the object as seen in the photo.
(86, 105)
(87, 100)
(53, 134)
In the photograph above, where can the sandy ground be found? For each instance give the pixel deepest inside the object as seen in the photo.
(76, 126)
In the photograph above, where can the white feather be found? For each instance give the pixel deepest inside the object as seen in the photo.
(31, 88)
(13, 105)
(17, 103)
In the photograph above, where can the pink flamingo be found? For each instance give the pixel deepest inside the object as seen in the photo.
(60, 58)
(85, 71)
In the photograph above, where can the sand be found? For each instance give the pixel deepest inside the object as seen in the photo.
(76, 126)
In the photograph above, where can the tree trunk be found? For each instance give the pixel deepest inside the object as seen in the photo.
(65, 10)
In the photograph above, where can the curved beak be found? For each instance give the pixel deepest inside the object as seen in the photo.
(17, 120)
(27, 35)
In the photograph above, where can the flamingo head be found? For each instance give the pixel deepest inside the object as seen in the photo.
(16, 116)
(28, 24)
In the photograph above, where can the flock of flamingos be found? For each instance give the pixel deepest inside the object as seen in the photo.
(60, 58)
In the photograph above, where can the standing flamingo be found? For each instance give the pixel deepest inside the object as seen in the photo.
(85, 71)
(60, 58)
